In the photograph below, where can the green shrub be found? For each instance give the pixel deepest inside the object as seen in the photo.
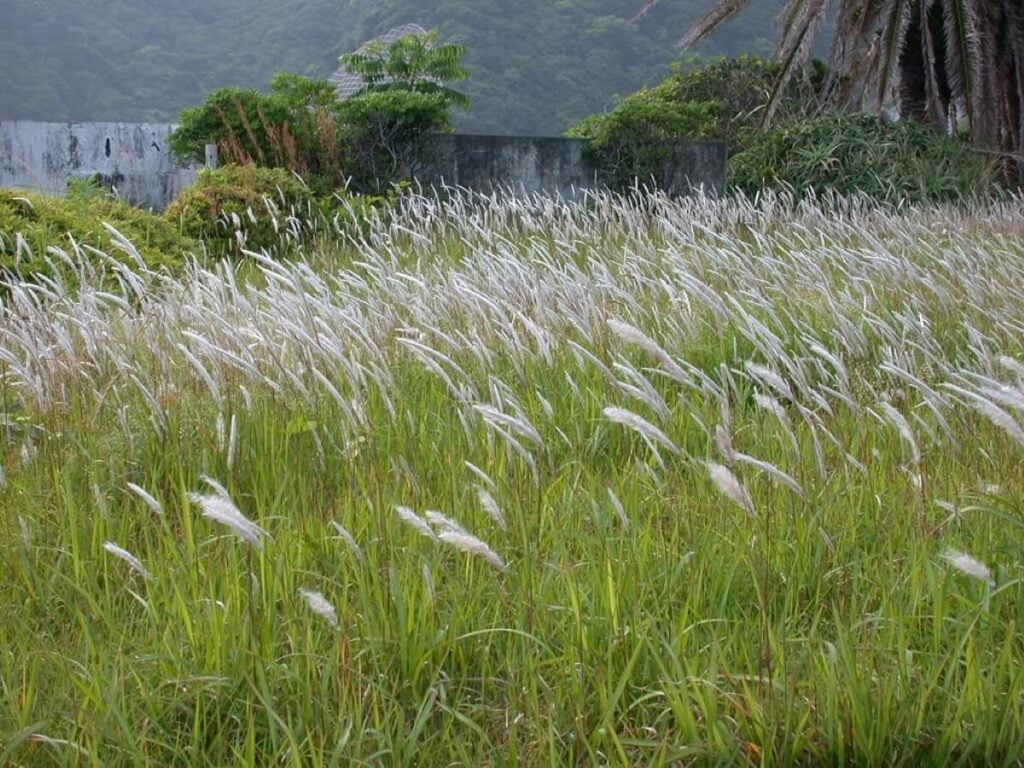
(32, 223)
(293, 127)
(264, 209)
(740, 89)
(861, 153)
(640, 139)
(386, 128)
(240, 206)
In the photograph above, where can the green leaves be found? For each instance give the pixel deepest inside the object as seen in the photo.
(411, 63)
(639, 140)
(850, 153)
(958, 64)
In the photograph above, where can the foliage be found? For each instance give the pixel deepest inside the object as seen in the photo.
(639, 140)
(411, 63)
(717, 100)
(32, 224)
(292, 127)
(386, 128)
(264, 209)
(386, 135)
(850, 153)
(251, 201)
(957, 63)
(740, 89)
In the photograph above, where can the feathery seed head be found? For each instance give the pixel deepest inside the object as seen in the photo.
(221, 509)
(968, 565)
(490, 507)
(730, 487)
(410, 518)
(319, 605)
(133, 562)
(471, 544)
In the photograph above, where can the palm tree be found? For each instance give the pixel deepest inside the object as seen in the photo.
(955, 64)
(412, 62)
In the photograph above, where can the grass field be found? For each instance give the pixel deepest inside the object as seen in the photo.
(631, 482)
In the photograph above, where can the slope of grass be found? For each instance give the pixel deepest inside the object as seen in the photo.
(695, 482)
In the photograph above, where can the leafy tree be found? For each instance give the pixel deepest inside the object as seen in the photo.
(411, 63)
(387, 127)
(719, 100)
(741, 88)
(387, 135)
(953, 64)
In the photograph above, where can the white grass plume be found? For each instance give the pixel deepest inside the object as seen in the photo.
(968, 565)
(491, 507)
(133, 562)
(428, 581)
(471, 544)
(620, 511)
(221, 509)
(772, 471)
(724, 444)
(410, 518)
(349, 539)
(903, 427)
(771, 378)
(443, 523)
(1012, 365)
(219, 489)
(483, 476)
(633, 335)
(1000, 418)
(146, 497)
(639, 424)
(727, 483)
(518, 424)
(320, 605)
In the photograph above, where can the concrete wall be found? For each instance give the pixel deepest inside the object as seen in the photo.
(552, 165)
(133, 158)
(130, 157)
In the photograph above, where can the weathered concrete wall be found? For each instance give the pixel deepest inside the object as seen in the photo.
(552, 165)
(486, 163)
(129, 157)
(133, 159)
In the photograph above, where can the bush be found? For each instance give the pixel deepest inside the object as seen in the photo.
(860, 153)
(31, 223)
(640, 139)
(263, 209)
(740, 89)
(240, 206)
(292, 127)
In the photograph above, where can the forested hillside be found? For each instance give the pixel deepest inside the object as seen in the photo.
(537, 66)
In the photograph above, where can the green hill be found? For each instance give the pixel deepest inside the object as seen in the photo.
(538, 66)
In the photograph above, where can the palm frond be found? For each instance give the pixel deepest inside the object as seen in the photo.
(958, 20)
(890, 46)
(804, 18)
(710, 21)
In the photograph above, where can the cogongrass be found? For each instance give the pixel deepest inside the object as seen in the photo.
(855, 368)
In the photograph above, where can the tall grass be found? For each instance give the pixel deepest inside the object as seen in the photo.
(677, 482)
